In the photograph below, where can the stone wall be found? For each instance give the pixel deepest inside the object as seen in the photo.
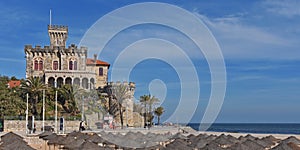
(20, 125)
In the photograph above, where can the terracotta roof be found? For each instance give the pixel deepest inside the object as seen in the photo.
(13, 83)
(90, 61)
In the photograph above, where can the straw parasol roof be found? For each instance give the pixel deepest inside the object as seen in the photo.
(239, 146)
(88, 146)
(271, 138)
(179, 136)
(253, 145)
(178, 144)
(292, 139)
(18, 144)
(51, 136)
(56, 141)
(293, 146)
(212, 146)
(44, 134)
(95, 139)
(202, 140)
(13, 141)
(265, 142)
(223, 140)
(286, 146)
(75, 144)
(10, 138)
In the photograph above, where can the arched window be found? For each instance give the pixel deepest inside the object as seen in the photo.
(36, 65)
(100, 71)
(75, 65)
(55, 65)
(70, 65)
(40, 65)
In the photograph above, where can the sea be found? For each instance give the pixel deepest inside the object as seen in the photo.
(266, 128)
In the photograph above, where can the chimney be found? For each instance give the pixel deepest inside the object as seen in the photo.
(95, 58)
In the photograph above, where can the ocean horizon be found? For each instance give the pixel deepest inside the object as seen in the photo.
(264, 128)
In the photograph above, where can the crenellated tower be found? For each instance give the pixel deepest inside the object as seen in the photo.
(58, 35)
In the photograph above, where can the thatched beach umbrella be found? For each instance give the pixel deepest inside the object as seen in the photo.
(88, 146)
(11, 137)
(44, 134)
(17, 144)
(179, 136)
(239, 146)
(286, 146)
(51, 136)
(212, 146)
(265, 142)
(75, 144)
(13, 141)
(78, 135)
(178, 144)
(95, 139)
(253, 145)
(202, 140)
(293, 146)
(223, 140)
(292, 139)
(271, 138)
(58, 140)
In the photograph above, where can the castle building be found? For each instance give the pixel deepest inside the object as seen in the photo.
(58, 65)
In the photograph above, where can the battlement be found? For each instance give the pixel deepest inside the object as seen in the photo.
(71, 48)
(58, 27)
(130, 84)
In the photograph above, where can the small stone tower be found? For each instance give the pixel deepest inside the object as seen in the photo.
(58, 35)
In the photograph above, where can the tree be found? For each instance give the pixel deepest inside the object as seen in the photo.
(33, 86)
(68, 99)
(158, 112)
(148, 101)
(11, 103)
(120, 92)
(145, 100)
(153, 100)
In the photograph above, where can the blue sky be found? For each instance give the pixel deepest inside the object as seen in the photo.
(258, 39)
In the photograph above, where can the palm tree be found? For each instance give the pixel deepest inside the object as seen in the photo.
(153, 100)
(68, 101)
(33, 86)
(145, 100)
(120, 93)
(158, 112)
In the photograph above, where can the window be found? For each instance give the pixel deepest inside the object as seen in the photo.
(55, 65)
(70, 65)
(100, 71)
(36, 65)
(75, 65)
(40, 65)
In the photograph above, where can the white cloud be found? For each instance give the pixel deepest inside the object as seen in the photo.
(238, 39)
(288, 8)
(11, 60)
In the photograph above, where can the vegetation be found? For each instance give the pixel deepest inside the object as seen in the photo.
(34, 86)
(120, 93)
(158, 112)
(13, 101)
(148, 101)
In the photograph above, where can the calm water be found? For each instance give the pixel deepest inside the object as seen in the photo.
(252, 128)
